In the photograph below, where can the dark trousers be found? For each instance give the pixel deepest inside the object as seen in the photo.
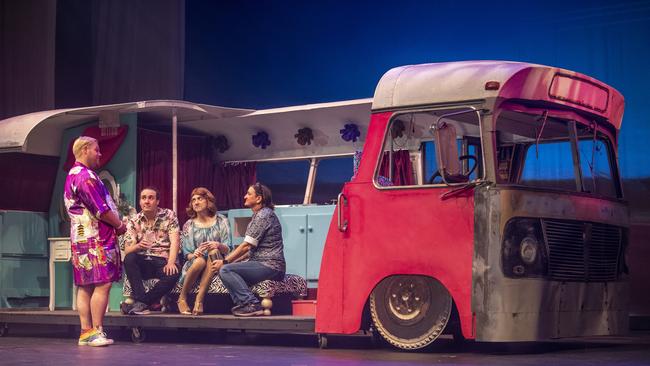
(139, 267)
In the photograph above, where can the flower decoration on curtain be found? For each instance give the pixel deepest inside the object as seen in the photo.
(397, 130)
(350, 132)
(261, 140)
(304, 136)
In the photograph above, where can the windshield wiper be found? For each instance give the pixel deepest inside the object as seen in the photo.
(539, 135)
(593, 157)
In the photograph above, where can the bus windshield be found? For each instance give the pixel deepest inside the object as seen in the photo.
(540, 151)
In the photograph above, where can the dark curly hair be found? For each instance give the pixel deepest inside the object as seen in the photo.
(264, 192)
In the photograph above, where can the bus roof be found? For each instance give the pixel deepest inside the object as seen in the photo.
(452, 82)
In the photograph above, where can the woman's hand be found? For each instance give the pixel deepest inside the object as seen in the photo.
(212, 245)
(198, 253)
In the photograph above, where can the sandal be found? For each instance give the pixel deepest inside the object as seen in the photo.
(183, 308)
(198, 308)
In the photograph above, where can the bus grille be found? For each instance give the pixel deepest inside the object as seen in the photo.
(582, 251)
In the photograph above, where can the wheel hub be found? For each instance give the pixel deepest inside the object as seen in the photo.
(408, 299)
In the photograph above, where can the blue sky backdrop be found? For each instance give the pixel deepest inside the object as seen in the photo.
(262, 54)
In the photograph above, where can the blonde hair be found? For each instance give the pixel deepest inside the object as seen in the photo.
(80, 143)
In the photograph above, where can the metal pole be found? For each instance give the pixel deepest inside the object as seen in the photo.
(174, 160)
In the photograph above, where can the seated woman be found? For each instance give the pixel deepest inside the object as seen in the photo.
(263, 242)
(206, 233)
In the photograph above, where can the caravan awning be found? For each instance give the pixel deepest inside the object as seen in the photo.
(40, 132)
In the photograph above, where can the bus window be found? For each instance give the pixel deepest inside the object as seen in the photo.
(410, 157)
(536, 151)
(550, 165)
(429, 158)
(330, 176)
(596, 167)
(286, 179)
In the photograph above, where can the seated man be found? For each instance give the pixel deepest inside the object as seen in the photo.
(151, 248)
(263, 242)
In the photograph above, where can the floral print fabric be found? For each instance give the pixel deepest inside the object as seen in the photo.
(95, 254)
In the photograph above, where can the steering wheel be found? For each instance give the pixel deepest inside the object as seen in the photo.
(458, 178)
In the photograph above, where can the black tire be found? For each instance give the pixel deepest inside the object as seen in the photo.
(138, 335)
(410, 312)
(322, 341)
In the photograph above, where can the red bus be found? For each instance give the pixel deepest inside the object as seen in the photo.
(501, 209)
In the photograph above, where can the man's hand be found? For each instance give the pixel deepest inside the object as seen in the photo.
(170, 269)
(138, 247)
(120, 229)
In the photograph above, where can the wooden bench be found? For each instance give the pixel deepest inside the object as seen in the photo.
(292, 285)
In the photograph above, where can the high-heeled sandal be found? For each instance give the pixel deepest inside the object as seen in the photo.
(198, 308)
(183, 308)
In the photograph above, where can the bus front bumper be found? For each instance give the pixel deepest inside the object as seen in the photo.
(531, 310)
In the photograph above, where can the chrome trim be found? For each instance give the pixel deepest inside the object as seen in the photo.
(342, 228)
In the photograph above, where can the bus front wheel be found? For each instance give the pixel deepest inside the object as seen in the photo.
(410, 312)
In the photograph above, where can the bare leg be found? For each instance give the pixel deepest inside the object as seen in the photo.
(190, 278)
(84, 294)
(98, 303)
(206, 278)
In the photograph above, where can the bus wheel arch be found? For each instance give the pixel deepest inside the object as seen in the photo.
(410, 311)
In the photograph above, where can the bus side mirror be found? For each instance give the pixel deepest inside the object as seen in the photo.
(447, 153)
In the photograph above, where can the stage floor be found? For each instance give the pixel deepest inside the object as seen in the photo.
(281, 323)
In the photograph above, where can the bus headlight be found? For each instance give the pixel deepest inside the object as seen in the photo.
(523, 249)
(528, 250)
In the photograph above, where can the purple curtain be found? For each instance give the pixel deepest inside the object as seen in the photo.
(138, 50)
(233, 181)
(154, 164)
(402, 168)
(196, 168)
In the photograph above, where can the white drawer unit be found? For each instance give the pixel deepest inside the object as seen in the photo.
(60, 251)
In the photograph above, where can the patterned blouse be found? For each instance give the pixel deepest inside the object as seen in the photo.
(164, 224)
(193, 235)
(264, 233)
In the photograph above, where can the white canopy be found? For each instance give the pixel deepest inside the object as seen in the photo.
(40, 132)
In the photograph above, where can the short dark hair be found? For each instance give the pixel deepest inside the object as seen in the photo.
(264, 192)
(152, 188)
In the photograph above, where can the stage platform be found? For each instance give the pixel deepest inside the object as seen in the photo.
(139, 323)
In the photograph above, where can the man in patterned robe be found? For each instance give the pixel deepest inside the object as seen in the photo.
(94, 228)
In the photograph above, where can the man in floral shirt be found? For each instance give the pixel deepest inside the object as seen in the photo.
(94, 227)
(151, 247)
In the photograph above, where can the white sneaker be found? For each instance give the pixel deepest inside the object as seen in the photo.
(103, 334)
(94, 338)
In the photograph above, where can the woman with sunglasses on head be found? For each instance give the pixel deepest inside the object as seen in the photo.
(205, 235)
(263, 244)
